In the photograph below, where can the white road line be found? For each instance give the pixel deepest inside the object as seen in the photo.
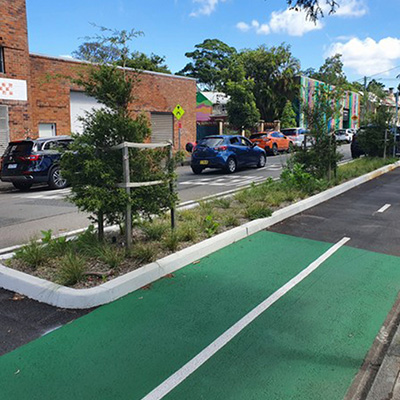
(384, 208)
(179, 376)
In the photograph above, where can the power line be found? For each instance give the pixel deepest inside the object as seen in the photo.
(379, 73)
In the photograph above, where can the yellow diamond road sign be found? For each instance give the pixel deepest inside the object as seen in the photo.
(178, 112)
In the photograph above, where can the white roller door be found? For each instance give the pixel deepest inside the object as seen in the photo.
(79, 104)
(162, 127)
(4, 134)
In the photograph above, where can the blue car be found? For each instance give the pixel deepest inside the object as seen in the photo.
(226, 152)
(26, 162)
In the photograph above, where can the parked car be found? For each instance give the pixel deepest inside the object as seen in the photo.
(344, 135)
(26, 162)
(226, 152)
(297, 135)
(272, 142)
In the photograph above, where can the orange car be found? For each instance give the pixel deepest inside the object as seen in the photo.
(272, 142)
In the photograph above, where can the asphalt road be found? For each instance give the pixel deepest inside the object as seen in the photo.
(24, 215)
(307, 344)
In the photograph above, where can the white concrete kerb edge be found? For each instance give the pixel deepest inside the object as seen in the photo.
(65, 297)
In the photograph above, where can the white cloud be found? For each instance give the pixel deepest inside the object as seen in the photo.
(242, 26)
(368, 57)
(294, 23)
(67, 56)
(291, 22)
(207, 7)
(351, 8)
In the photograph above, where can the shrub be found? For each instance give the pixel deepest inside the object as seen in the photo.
(154, 230)
(171, 241)
(33, 254)
(222, 203)
(111, 255)
(231, 220)
(188, 232)
(257, 210)
(87, 243)
(144, 252)
(296, 177)
(210, 226)
(72, 269)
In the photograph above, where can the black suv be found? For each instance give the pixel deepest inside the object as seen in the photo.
(26, 162)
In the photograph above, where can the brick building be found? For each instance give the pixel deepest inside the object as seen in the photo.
(35, 101)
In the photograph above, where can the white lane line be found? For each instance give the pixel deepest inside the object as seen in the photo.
(179, 376)
(384, 208)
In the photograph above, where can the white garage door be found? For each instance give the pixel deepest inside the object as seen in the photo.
(162, 127)
(79, 104)
(4, 135)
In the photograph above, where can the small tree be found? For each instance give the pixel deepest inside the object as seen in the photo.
(242, 109)
(321, 159)
(288, 119)
(375, 138)
(93, 168)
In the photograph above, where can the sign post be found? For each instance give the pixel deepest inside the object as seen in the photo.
(178, 112)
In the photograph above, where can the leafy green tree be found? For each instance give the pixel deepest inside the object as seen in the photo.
(371, 138)
(105, 48)
(331, 72)
(242, 109)
(273, 72)
(288, 119)
(96, 53)
(93, 168)
(141, 61)
(209, 61)
(321, 159)
(313, 7)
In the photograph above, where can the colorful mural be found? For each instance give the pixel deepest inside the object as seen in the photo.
(204, 108)
(349, 116)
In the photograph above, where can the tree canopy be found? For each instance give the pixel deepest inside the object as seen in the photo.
(209, 60)
(313, 8)
(273, 71)
(106, 48)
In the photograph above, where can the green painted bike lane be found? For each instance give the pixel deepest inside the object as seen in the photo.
(309, 345)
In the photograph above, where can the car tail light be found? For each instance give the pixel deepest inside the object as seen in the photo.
(32, 157)
(221, 148)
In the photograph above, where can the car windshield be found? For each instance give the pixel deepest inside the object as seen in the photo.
(289, 132)
(258, 135)
(210, 142)
(19, 148)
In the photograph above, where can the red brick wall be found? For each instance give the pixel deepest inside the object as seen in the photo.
(14, 40)
(153, 93)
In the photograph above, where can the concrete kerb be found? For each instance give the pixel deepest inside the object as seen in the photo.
(64, 297)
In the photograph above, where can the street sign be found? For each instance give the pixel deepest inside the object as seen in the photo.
(178, 112)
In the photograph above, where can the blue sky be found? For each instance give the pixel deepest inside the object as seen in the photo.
(366, 32)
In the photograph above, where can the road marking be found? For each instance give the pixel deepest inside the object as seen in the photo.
(179, 376)
(231, 180)
(49, 195)
(384, 208)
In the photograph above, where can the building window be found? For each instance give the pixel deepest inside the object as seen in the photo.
(2, 67)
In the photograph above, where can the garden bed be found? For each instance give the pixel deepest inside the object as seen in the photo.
(84, 262)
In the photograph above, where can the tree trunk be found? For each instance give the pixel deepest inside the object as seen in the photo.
(100, 226)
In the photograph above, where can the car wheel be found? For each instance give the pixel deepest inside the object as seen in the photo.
(275, 149)
(22, 185)
(56, 181)
(231, 165)
(261, 161)
(197, 170)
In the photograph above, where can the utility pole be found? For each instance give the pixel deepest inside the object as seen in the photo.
(364, 111)
(395, 122)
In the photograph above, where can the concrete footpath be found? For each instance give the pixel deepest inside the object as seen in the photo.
(311, 341)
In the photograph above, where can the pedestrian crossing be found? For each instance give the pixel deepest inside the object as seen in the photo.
(45, 195)
(226, 181)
